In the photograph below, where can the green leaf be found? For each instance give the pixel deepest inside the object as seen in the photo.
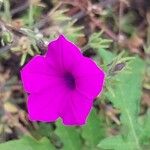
(145, 136)
(69, 136)
(96, 41)
(23, 59)
(27, 143)
(59, 15)
(7, 37)
(106, 56)
(93, 131)
(73, 32)
(66, 24)
(115, 142)
(126, 23)
(127, 94)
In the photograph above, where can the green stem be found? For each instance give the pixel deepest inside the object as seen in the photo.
(31, 19)
(7, 10)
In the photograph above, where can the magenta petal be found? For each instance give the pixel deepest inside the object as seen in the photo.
(63, 83)
(37, 75)
(76, 110)
(89, 78)
(46, 106)
(63, 52)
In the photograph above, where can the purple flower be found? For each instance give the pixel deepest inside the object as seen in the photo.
(63, 83)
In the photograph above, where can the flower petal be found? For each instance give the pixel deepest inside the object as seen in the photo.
(89, 78)
(46, 106)
(37, 75)
(63, 52)
(76, 110)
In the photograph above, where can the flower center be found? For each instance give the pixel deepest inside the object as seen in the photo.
(69, 80)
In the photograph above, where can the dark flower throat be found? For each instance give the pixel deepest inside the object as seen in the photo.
(69, 80)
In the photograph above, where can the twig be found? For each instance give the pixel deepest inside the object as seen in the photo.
(103, 27)
(45, 21)
(121, 9)
(88, 12)
(20, 8)
(10, 27)
(106, 3)
(79, 15)
(17, 124)
(55, 8)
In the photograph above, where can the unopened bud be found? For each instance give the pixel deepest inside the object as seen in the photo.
(42, 46)
(119, 66)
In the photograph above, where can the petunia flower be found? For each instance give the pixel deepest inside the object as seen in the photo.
(62, 83)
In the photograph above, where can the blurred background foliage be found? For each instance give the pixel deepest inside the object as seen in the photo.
(116, 34)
